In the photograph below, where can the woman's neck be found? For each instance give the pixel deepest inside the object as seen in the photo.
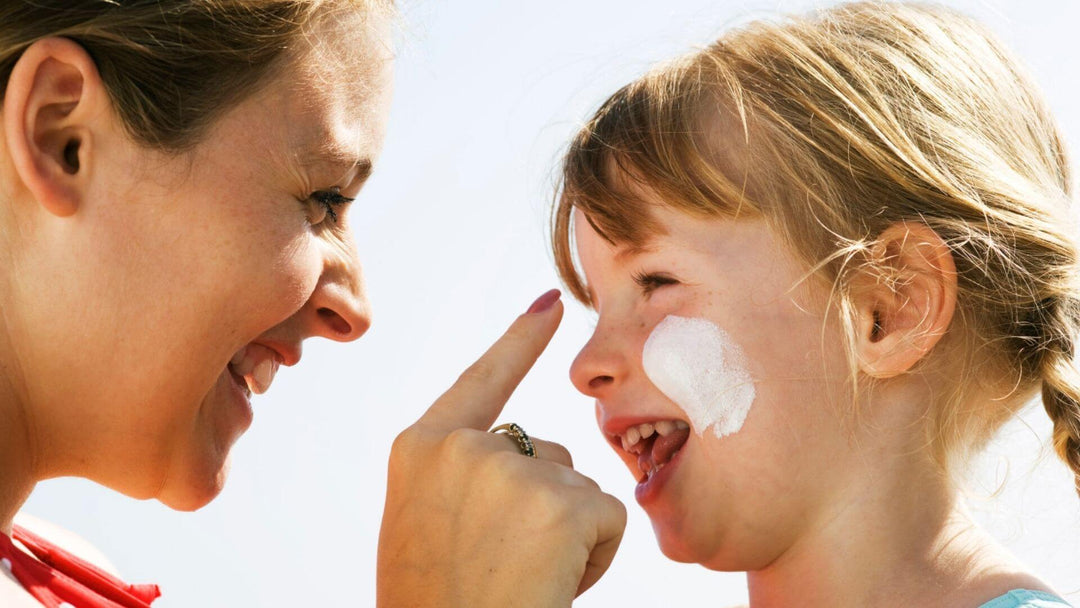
(890, 542)
(17, 477)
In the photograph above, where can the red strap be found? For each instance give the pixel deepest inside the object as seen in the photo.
(62, 577)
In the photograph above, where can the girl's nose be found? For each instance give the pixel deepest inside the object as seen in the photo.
(600, 366)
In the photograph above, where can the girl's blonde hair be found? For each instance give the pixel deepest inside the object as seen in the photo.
(837, 125)
(172, 66)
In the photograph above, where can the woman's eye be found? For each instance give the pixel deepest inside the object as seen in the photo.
(650, 282)
(327, 203)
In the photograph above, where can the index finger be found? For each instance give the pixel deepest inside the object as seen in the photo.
(480, 393)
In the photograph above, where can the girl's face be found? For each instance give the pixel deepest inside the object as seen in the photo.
(182, 279)
(738, 501)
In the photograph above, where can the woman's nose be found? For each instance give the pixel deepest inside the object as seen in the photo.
(339, 308)
(599, 367)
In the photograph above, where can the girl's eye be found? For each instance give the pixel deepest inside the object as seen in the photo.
(327, 203)
(651, 281)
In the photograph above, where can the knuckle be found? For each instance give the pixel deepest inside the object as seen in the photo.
(559, 453)
(404, 444)
(551, 505)
(619, 509)
(461, 442)
(411, 444)
(517, 335)
(505, 463)
(503, 469)
(481, 372)
(405, 451)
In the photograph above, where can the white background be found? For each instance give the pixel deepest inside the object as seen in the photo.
(452, 234)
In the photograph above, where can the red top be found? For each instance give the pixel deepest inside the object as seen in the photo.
(61, 580)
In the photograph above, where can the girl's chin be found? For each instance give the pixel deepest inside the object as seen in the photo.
(683, 542)
(711, 554)
(674, 547)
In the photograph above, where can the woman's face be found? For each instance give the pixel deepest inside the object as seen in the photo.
(180, 275)
(738, 501)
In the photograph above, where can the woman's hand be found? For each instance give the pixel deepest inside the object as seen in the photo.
(469, 520)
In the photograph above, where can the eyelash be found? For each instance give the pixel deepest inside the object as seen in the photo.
(650, 282)
(330, 199)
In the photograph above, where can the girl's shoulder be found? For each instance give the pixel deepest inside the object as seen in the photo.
(1027, 598)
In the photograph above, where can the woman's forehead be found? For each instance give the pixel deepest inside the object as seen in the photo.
(338, 71)
(335, 104)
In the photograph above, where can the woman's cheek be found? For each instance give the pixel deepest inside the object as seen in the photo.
(289, 281)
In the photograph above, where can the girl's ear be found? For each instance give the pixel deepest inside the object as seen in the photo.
(52, 109)
(905, 301)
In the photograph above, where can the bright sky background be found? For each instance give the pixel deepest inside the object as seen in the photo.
(452, 234)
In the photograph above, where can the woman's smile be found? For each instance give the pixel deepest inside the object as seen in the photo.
(256, 365)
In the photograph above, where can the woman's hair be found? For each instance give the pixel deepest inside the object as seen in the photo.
(834, 126)
(172, 67)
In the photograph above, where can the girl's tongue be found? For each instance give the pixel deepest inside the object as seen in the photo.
(659, 449)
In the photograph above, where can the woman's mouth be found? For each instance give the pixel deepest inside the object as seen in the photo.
(255, 366)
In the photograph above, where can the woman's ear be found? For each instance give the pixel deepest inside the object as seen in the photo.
(52, 107)
(905, 300)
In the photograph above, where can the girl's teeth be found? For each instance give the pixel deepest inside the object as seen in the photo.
(636, 434)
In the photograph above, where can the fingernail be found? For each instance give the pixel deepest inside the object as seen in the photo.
(544, 302)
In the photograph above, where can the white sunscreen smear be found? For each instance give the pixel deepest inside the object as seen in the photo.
(701, 368)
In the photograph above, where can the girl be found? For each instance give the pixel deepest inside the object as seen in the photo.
(831, 256)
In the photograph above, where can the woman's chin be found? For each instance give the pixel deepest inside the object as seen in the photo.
(195, 490)
(198, 478)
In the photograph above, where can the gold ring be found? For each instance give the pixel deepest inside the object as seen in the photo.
(524, 443)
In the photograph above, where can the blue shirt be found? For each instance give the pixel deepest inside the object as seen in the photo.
(1024, 598)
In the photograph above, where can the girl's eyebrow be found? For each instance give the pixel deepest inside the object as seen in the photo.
(628, 252)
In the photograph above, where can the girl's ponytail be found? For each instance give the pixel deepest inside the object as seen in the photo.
(1061, 385)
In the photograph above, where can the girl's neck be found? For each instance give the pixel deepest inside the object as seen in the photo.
(901, 542)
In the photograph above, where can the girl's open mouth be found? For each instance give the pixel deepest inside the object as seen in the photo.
(654, 443)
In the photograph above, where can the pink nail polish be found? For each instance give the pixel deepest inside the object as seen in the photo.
(545, 301)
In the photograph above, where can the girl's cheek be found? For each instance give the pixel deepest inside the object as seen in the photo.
(701, 368)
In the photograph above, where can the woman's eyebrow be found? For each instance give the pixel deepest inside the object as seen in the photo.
(337, 157)
(361, 167)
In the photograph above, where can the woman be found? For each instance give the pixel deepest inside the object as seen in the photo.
(168, 241)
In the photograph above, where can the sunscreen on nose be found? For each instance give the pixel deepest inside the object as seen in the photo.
(703, 370)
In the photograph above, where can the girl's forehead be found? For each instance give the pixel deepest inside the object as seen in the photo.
(677, 231)
(593, 245)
